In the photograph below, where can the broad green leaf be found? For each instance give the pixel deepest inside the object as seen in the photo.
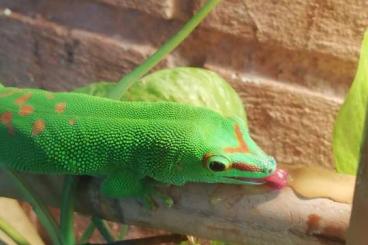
(348, 131)
(195, 86)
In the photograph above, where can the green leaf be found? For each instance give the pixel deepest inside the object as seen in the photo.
(98, 89)
(164, 50)
(194, 86)
(348, 131)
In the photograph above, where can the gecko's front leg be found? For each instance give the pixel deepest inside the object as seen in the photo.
(123, 184)
(129, 184)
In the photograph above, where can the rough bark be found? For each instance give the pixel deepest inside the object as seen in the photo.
(251, 215)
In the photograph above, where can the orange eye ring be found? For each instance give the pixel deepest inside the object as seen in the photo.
(216, 163)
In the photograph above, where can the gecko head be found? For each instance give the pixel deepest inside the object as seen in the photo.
(239, 169)
(236, 159)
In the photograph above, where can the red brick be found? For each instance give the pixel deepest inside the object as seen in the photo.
(166, 9)
(35, 52)
(333, 27)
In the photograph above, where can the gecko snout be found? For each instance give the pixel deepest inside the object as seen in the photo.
(270, 165)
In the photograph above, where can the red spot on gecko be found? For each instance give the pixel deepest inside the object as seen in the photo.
(25, 110)
(49, 95)
(60, 107)
(72, 122)
(23, 99)
(246, 167)
(6, 119)
(38, 127)
(242, 148)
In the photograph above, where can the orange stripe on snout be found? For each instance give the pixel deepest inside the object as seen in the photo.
(246, 167)
(242, 148)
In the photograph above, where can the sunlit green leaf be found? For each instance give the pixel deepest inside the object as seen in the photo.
(348, 130)
(186, 85)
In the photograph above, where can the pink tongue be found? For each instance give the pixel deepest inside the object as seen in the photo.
(278, 180)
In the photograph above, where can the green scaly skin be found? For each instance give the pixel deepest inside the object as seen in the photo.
(126, 143)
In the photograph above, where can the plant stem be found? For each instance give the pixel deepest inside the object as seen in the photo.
(12, 233)
(123, 232)
(67, 210)
(40, 209)
(103, 229)
(87, 233)
(117, 91)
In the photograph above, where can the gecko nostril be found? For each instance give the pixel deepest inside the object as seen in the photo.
(267, 170)
(272, 161)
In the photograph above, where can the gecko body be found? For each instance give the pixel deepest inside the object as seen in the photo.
(125, 142)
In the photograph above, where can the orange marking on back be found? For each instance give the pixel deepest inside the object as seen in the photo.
(38, 127)
(25, 110)
(7, 93)
(60, 107)
(242, 148)
(6, 119)
(72, 121)
(23, 99)
(49, 95)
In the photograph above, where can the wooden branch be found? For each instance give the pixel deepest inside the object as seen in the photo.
(156, 240)
(251, 215)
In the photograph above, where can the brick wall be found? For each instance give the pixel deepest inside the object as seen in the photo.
(291, 61)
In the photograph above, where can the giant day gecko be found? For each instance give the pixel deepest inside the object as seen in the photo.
(127, 143)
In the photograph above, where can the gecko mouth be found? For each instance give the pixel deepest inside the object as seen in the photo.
(277, 180)
(251, 181)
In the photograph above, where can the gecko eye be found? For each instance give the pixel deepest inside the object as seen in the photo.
(217, 163)
(217, 166)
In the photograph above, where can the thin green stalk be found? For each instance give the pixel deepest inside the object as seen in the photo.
(103, 229)
(165, 49)
(123, 232)
(87, 233)
(12, 233)
(40, 209)
(67, 210)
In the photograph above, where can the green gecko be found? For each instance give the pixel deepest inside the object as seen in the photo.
(126, 143)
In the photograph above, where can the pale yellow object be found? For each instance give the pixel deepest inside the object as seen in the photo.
(13, 214)
(313, 182)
